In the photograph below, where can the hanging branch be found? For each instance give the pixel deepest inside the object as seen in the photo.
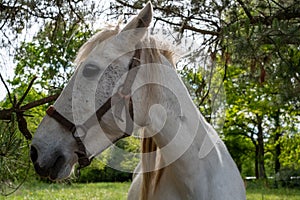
(26, 92)
(6, 87)
(39, 102)
(6, 114)
(22, 123)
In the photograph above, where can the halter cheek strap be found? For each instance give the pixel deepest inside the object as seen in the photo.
(123, 99)
(51, 111)
(83, 159)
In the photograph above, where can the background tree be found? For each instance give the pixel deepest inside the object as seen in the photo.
(255, 111)
(50, 58)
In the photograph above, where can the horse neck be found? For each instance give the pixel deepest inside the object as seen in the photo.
(173, 126)
(165, 108)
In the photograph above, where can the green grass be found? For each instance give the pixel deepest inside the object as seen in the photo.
(91, 191)
(273, 194)
(118, 191)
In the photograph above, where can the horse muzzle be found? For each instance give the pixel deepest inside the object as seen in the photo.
(54, 168)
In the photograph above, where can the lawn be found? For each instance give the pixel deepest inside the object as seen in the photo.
(273, 194)
(91, 191)
(118, 191)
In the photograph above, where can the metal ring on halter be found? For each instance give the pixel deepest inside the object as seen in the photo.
(83, 128)
(123, 96)
(137, 59)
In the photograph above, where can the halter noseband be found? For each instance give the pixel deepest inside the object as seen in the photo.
(123, 99)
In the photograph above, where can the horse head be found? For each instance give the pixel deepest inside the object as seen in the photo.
(94, 110)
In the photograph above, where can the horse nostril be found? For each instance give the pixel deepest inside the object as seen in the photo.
(33, 154)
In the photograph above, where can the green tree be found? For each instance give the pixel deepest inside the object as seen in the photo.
(255, 111)
(50, 57)
(17, 17)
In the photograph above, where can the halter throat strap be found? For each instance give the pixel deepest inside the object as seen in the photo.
(123, 96)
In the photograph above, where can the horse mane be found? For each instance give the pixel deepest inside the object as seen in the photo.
(99, 37)
(110, 31)
(151, 158)
(151, 177)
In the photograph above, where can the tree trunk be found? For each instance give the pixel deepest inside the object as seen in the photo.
(261, 150)
(278, 134)
(256, 161)
(277, 153)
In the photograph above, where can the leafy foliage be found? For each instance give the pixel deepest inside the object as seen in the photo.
(18, 17)
(114, 164)
(290, 155)
(50, 56)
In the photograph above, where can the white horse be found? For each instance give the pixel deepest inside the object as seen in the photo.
(126, 81)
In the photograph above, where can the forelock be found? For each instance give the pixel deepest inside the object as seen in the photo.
(99, 37)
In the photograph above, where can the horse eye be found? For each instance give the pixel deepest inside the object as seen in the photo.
(90, 70)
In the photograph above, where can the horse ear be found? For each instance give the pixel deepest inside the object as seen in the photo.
(142, 20)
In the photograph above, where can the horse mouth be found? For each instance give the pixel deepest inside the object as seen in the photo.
(53, 172)
(59, 170)
(56, 168)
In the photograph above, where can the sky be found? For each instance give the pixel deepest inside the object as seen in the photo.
(6, 71)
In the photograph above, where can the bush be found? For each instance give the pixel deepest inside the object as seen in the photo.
(99, 170)
(288, 178)
(106, 174)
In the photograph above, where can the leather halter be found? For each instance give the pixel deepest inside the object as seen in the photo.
(123, 99)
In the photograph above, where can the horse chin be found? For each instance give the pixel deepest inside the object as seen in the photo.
(62, 174)
(62, 169)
